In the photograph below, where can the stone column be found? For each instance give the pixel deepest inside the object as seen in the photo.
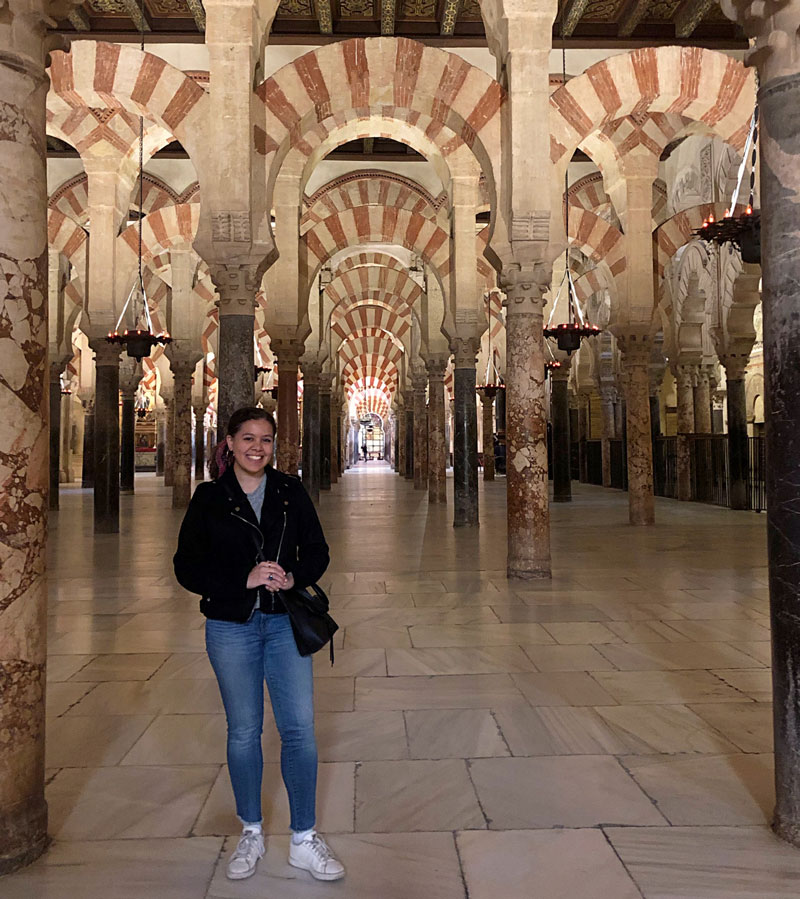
(199, 443)
(487, 411)
(182, 367)
(130, 375)
(635, 350)
(333, 416)
(559, 413)
(311, 429)
(288, 353)
(106, 437)
(325, 465)
(161, 439)
(55, 435)
(702, 426)
(169, 441)
(738, 446)
(401, 440)
(420, 382)
(655, 416)
(607, 399)
(465, 435)
(526, 426)
(87, 465)
(437, 450)
(583, 436)
(66, 439)
(237, 286)
(23, 421)
(408, 436)
(684, 379)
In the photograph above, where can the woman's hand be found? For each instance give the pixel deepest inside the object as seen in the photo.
(271, 576)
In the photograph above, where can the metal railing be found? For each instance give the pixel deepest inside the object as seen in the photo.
(665, 466)
(757, 474)
(709, 460)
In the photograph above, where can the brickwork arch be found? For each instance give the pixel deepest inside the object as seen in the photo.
(371, 316)
(676, 231)
(697, 84)
(373, 280)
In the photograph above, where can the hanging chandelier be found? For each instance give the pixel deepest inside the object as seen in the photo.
(140, 338)
(493, 381)
(742, 231)
(568, 334)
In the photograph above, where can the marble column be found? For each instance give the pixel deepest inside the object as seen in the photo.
(655, 416)
(702, 426)
(583, 436)
(129, 376)
(465, 434)
(608, 397)
(401, 440)
(161, 440)
(738, 445)
(684, 380)
(199, 443)
(288, 450)
(311, 429)
(420, 382)
(66, 439)
(636, 349)
(409, 436)
(23, 422)
(169, 441)
(775, 49)
(182, 370)
(559, 414)
(325, 466)
(335, 427)
(106, 437)
(237, 286)
(487, 411)
(55, 435)
(437, 449)
(528, 506)
(87, 465)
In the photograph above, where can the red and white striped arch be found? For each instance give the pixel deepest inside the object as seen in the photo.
(373, 281)
(65, 236)
(172, 227)
(371, 400)
(600, 241)
(676, 232)
(698, 84)
(359, 319)
(360, 258)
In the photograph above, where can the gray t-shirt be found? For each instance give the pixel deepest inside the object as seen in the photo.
(256, 498)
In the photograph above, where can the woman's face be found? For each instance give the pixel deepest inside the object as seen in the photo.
(252, 446)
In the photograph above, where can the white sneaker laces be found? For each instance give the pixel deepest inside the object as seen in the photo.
(248, 842)
(320, 848)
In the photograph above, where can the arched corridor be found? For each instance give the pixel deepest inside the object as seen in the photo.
(474, 734)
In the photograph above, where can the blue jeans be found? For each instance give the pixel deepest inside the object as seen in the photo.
(243, 656)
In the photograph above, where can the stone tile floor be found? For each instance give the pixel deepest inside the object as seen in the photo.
(604, 734)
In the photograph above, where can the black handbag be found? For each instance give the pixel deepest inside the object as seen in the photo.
(312, 626)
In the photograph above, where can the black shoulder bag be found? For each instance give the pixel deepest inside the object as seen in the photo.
(307, 607)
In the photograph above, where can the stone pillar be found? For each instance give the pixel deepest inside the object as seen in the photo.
(106, 437)
(311, 429)
(437, 449)
(684, 379)
(87, 465)
(335, 427)
(465, 435)
(199, 443)
(169, 441)
(420, 382)
(738, 446)
(401, 440)
(237, 286)
(66, 439)
(526, 427)
(127, 463)
(583, 436)
(55, 435)
(23, 420)
(776, 52)
(408, 436)
(559, 414)
(161, 439)
(702, 402)
(182, 367)
(325, 465)
(607, 399)
(288, 353)
(635, 362)
(487, 410)
(655, 416)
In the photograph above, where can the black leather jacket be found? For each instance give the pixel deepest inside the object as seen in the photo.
(220, 533)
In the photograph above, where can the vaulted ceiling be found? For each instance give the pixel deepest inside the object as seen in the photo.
(599, 22)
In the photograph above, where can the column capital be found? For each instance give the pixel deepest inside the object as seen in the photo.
(525, 288)
(311, 373)
(635, 347)
(236, 285)
(559, 374)
(772, 26)
(436, 365)
(734, 366)
(182, 358)
(289, 350)
(419, 379)
(105, 353)
(465, 351)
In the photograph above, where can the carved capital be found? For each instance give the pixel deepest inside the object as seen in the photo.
(524, 288)
(735, 366)
(772, 26)
(465, 351)
(311, 373)
(636, 349)
(288, 351)
(436, 366)
(237, 286)
(105, 353)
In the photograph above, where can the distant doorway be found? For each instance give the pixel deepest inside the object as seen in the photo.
(371, 437)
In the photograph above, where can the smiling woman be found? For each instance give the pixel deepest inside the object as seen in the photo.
(249, 636)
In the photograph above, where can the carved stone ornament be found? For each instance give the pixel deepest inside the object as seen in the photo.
(773, 28)
(530, 226)
(230, 227)
(524, 288)
(236, 284)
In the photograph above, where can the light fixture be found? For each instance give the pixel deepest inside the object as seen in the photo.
(139, 339)
(493, 382)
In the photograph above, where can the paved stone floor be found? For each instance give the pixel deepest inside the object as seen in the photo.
(605, 735)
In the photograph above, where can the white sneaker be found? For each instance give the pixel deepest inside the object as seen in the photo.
(315, 856)
(249, 850)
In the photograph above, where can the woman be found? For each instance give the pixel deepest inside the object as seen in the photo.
(248, 635)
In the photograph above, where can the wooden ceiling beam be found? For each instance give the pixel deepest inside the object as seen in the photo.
(388, 11)
(133, 10)
(632, 16)
(78, 19)
(689, 15)
(450, 11)
(198, 13)
(573, 12)
(325, 16)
